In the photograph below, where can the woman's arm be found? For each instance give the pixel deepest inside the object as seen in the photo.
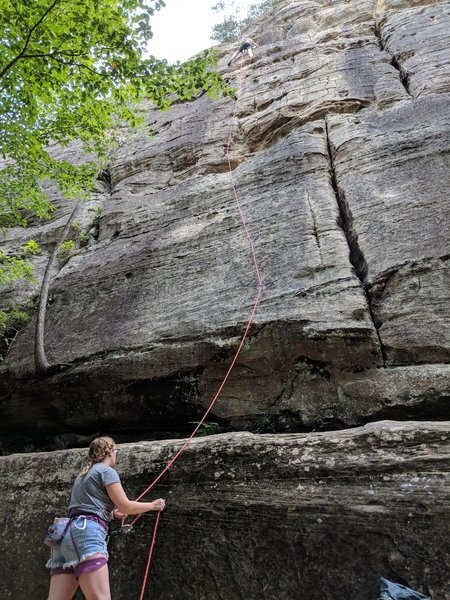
(130, 507)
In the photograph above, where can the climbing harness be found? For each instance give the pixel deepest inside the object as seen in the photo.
(230, 368)
(63, 525)
(58, 529)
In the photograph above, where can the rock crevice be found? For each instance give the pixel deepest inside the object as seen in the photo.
(356, 256)
(402, 74)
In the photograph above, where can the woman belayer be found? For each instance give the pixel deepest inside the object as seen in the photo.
(80, 558)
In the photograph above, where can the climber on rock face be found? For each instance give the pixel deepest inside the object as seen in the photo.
(246, 45)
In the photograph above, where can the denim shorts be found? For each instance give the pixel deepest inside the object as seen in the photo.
(84, 537)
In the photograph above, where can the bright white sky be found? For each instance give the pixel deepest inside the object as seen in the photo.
(183, 27)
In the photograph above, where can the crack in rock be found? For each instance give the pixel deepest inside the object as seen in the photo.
(403, 75)
(356, 255)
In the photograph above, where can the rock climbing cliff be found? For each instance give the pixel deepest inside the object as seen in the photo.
(341, 158)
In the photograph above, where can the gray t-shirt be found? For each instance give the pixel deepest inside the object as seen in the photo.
(89, 494)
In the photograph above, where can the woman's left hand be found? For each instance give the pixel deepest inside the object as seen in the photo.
(117, 514)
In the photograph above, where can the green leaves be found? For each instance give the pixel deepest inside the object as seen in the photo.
(31, 247)
(12, 268)
(17, 266)
(11, 319)
(70, 70)
(237, 17)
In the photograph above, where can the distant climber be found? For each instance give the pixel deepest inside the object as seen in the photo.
(247, 45)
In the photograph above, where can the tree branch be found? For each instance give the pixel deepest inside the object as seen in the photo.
(16, 9)
(40, 359)
(71, 63)
(55, 53)
(27, 41)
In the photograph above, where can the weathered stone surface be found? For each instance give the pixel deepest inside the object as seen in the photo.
(340, 154)
(401, 250)
(415, 38)
(318, 516)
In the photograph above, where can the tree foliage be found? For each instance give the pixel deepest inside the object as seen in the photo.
(70, 70)
(13, 267)
(66, 70)
(236, 17)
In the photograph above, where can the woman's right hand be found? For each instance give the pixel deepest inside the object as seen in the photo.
(131, 507)
(159, 504)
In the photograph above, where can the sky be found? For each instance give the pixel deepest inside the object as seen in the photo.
(182, 29)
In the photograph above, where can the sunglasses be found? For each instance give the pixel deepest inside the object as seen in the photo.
(116, 450)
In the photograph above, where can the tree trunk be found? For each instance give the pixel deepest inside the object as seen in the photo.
(41, 364)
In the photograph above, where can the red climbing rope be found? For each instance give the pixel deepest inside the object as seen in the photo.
(149, 560)
(238, 351)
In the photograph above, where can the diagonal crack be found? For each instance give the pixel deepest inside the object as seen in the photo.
(356, 255)
(315, 231)
(357, 258)
(403, 75)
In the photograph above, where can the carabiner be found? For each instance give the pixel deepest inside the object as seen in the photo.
(84, 524)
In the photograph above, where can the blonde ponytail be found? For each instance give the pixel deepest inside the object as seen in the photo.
(98, 450)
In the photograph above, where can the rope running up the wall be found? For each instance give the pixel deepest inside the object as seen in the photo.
(238, 351)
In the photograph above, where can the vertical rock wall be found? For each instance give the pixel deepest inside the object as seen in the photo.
(341, 159)
(340, 154)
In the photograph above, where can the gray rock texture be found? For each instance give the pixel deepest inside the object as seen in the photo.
(319, 516)
(340, 155)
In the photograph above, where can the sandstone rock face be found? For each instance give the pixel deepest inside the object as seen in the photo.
(319, 516)
(340, 156)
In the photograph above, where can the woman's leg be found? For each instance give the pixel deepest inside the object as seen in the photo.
(62, 587)
(233, 57)
(95, 584)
